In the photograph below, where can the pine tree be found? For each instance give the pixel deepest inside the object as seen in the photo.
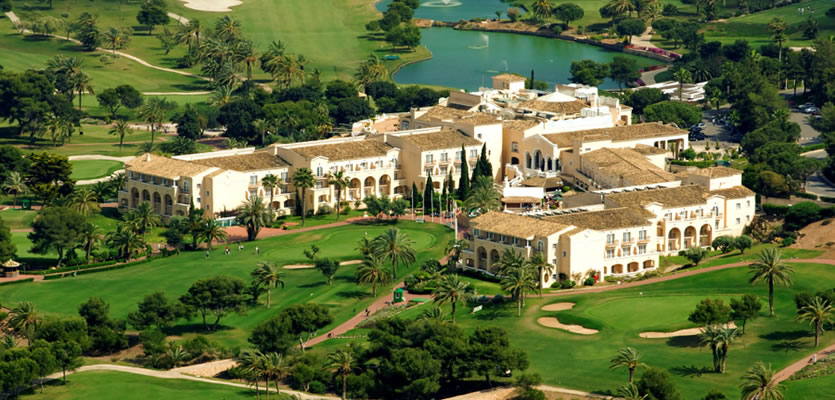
(297, 205)
(464, 180)
(416, 195)
(428, 192)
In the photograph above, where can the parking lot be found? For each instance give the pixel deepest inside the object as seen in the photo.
(716, 131)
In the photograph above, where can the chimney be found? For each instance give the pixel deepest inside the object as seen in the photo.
(275, 150)
(147, 157)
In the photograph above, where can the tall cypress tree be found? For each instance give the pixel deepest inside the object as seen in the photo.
(297, 205)
(464, 180)
(483, 166)
(415, 195)
(428, 192)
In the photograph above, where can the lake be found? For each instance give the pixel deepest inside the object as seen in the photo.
(455, 10)
(468, 59)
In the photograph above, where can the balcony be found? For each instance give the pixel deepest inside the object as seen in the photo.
(613, 243)
(628, 241)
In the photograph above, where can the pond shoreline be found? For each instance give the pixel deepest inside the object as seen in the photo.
(471, 26)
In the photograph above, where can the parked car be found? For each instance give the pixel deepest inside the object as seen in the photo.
(697, 135)
(812, 110)
(700, 126)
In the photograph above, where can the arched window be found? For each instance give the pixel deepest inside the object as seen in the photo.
(319, 171)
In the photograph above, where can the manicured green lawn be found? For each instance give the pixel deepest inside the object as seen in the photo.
(17, 218)
(316, 220)
(582, 362)
(124, 288)
(92, 169)
(101, 385)
(816, 388)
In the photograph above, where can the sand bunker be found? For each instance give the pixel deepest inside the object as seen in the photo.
(553, 322)
(680, 332)
(305, 266)
(558, 307)
(211, 5)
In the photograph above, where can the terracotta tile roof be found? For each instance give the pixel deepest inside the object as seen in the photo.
(649, 150)
(445, 139)
(455, 115)
(520, 199)
(515, 225)
(343, 150)
(510, 77)
(152, 164)
(519, 124)
(245, 162)
(542, 182)
(616, 134)
(681, 196)
(612, 218)
(714, 172)
(556, 107)
(628, 165)
(736, 192)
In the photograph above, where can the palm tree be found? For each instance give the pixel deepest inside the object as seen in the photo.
(190, 34)
(83, 84)
(303, 179)
(117, 182)
(817, 313)
(24, 319)
(228, 28)
(434, 313)
(342, 362)
(261, 127)
(758, 383)
(253, 362)
(125, 240)
(275, 369)
(121, 129)
(627, 357)
(542, 9)
(727, 336)
(396, 247)
(254, 215)
(541, 264)
(620, 7)
(90, 235)
(221, 96)
(270, 182)
(146, 147)
(364, 246)
(454, 248)
(154, 112)
(144, 217)
(629, 392)
(371, 70)
(248, 54)
(212, 231)
(84, 202)
(15, 184)
(769, 269)
(269, 274)
(115, 38)
(176, 354)
(710, 336)
(777, 26)
(518, 282)
(372, 271)
(339, 182)
(682, 76)
(451, 289)
(103, 190)
(509, 261)
(483, 195)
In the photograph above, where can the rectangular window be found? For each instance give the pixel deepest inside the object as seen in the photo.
(473, 153)
(747, 203)
(564, 254)
(627, 251)
(253, 180)
(490, 235)
(738, 221)
(207, 193)
(610, 238)
(514, 147)
(627, 236)
(319, 185)
(428, 158)
(642, 235)
(428, 172)
(610, 253)
(642, 249)
(475, 232)
(457, 156)
(443, 170)
(738, 206)
(443, 157)
(284, 177)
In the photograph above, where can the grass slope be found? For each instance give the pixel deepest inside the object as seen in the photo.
(92, 169)
(101, 385)
(124, 288)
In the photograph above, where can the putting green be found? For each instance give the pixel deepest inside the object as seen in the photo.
(93, 169)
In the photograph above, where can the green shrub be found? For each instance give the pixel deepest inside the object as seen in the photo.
(16, 282)
(775, 209)
(827, 199)
(589, 282)
(805, 195)
(568, 284)
(802, 214)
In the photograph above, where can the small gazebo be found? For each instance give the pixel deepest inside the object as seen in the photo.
(11, 268)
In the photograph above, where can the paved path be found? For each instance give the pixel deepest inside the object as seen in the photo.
(203, 93)
(178, 18)
(787, 372)
(175, 374)
(644, 39)
(649, 76)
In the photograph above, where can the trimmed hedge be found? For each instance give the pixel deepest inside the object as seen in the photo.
(699, 164)
(479, 275)
(805, 195)
(827, 199)
(17, 281)
(107, 268)
(74, 268)
(775, 209)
